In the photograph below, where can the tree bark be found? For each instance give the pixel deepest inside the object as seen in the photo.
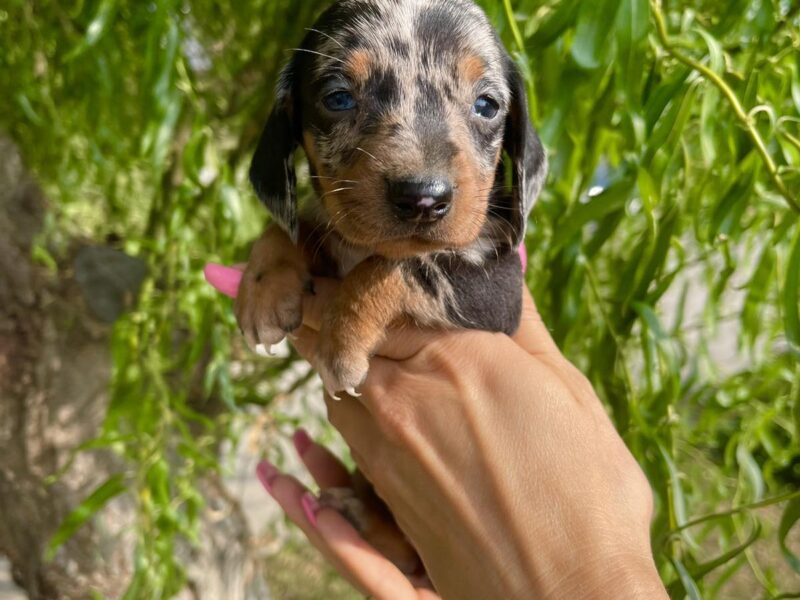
(55, 366)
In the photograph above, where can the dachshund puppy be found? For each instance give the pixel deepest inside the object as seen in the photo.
(414, 122)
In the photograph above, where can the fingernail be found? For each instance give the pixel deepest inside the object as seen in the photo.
(302, 441)
(267, 473)
(310, 507)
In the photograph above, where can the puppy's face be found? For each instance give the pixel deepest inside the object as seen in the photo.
(403, 108)
(403, 114)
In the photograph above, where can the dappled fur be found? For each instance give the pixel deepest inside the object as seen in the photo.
(415, 69)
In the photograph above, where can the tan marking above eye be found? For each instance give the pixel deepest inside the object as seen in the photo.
(472, 68)
(358, 64)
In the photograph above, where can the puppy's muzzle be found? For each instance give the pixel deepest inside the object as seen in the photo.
(418, 201)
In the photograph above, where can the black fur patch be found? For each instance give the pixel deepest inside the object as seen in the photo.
(437, 29)
(424, 275)
(430, 124)
(486, 296)
(384, 87)
(399, 47)
(430, 97)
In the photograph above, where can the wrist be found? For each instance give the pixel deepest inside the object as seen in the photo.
(621, 575)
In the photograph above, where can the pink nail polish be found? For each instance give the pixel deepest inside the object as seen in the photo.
(267, 473)
(310, 507)
(302, 441)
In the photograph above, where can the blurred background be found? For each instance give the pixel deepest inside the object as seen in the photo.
(664, 256)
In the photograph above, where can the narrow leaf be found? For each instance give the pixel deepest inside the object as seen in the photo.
(590, 49)
(112, 488)
(689, 585)
(790, 516)
(791, 297)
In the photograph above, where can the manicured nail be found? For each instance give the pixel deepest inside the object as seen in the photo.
(302, 441)
(267, 474)
(310, 507)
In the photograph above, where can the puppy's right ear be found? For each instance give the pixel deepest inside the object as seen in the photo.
(272, 169)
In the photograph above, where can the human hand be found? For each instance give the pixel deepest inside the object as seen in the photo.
(363, 566)
(498, 461)
(359, 563)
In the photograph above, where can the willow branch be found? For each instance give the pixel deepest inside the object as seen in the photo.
(738, 110)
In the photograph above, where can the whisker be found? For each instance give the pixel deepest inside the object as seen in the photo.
(317, 53)
(372, 156)
(327, 36)
(341, 189)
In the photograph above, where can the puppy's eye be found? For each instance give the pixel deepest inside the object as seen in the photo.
(486, 107)
(339, 101)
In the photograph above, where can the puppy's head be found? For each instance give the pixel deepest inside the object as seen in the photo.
(404, 109)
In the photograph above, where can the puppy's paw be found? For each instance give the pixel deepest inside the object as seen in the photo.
(349, 505)
(341, 369)
(270, 305)
(375, 525)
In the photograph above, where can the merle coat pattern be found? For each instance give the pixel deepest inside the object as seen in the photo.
(414, 122)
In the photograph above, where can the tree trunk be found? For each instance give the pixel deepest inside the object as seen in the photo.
(55, 366)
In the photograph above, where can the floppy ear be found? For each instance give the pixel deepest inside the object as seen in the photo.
(527, 156)
(272, 169)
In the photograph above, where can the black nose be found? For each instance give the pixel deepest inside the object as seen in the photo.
(421, 201)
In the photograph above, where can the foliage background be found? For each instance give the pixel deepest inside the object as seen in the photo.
(665, 253)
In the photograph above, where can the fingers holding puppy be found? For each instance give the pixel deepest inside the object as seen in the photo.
(355, 559)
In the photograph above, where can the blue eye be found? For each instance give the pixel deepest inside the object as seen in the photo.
(339, 101)
(486, 107)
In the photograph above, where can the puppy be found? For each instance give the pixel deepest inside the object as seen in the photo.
(414, 122)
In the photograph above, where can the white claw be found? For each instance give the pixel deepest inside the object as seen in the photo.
(351, 391)
(333, 395)
(265, 351)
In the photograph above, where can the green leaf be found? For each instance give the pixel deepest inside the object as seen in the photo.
(791, 515)
(707, 567)
(610, 200)
(716, 58)
(671, 123)
(689, 584)
(660, 97)
(590, 48)
(757, 293)
(751, 470)
(556, 23)
(97, 28)
(651, 319)
(113, 487)
(633, 22)
(728, 211)
(677, 497)
(791, 297)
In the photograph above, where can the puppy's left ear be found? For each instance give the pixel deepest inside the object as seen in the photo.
(528, 159)
(272, 169)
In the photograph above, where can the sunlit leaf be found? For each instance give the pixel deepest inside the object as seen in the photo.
(791, 296)
(688, 583)
(791, 515)
(590, 48)
(96, 29)
(104, 493)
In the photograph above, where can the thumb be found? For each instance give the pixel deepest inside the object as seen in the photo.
(224, 279)
(532, 334)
